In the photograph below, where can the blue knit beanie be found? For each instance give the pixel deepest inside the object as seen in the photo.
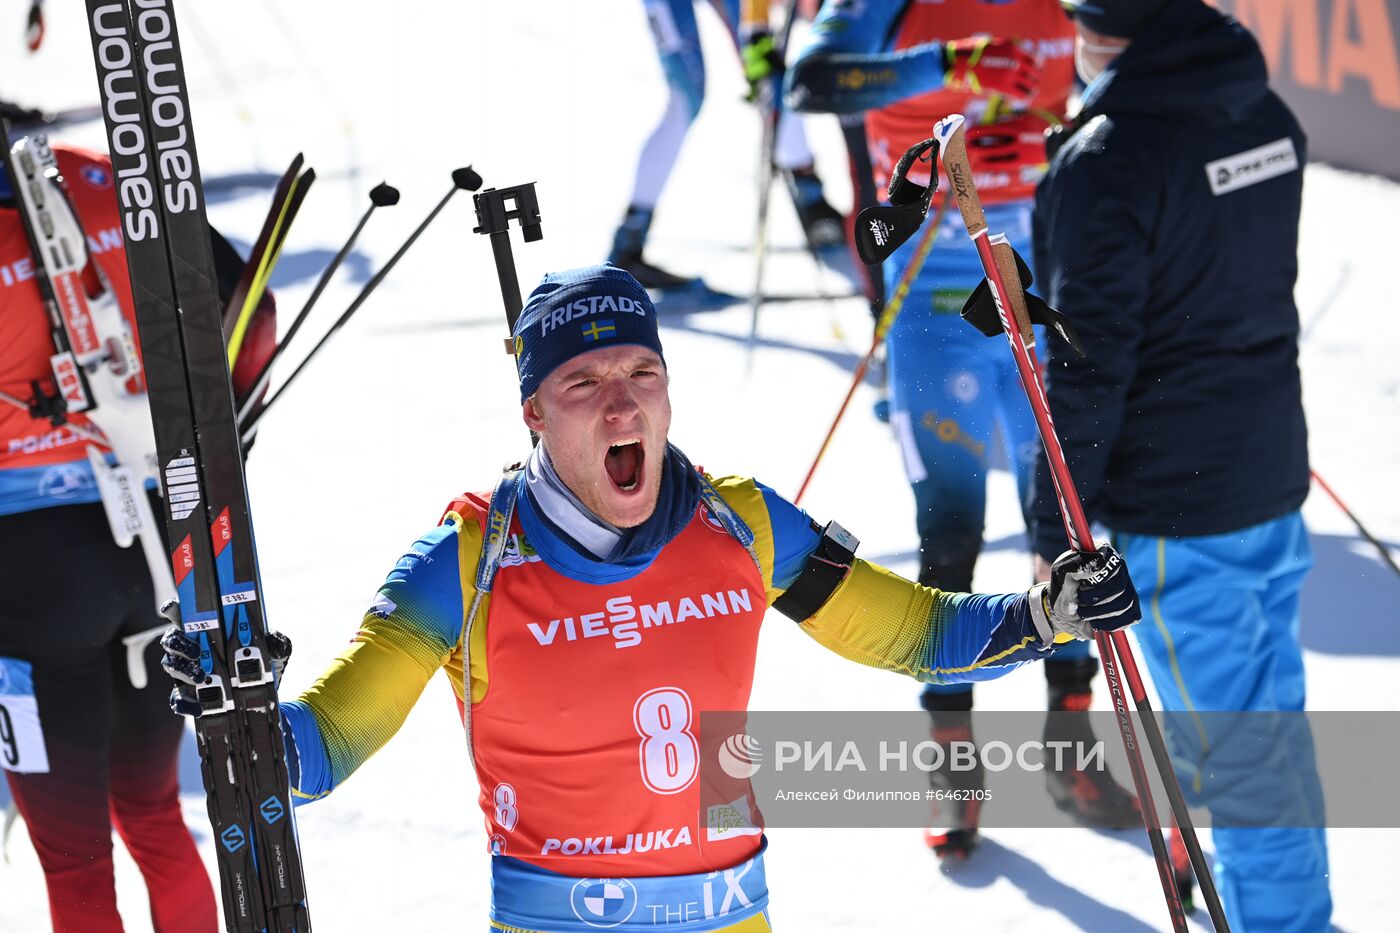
(578, 310)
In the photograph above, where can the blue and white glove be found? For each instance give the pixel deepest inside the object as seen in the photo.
(1088, 591)
(181, 661)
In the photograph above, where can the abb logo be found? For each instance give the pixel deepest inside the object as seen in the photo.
(69, 381)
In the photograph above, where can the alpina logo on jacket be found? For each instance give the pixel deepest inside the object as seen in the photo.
(593, 304)
(625, 621)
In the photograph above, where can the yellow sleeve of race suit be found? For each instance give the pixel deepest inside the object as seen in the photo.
(880, 619)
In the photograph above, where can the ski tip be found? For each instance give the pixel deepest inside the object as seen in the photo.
(384, 195)
(466, 178)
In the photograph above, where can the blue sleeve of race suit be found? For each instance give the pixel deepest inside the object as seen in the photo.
(310, 774)
(795, 536)
(848, 64)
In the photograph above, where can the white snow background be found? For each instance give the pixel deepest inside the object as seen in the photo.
(415, 401)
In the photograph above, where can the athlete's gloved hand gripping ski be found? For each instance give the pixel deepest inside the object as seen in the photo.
(1004, 286)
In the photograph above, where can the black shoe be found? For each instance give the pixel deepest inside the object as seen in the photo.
(1092, 797)
(823, 224)
(953, 832)
(653, 277)
(955, 844)
(628, 243)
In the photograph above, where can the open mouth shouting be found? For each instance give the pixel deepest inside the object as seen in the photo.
(624, 462)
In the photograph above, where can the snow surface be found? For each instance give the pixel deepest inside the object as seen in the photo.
(414, 402)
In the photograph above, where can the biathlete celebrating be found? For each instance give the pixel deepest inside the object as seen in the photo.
(609, 552)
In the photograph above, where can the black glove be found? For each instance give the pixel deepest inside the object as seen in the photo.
(181, 661)
(1089, 591)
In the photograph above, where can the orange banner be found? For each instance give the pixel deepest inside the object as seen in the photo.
(1337, 63)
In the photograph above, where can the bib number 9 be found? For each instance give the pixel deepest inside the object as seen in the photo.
(670, 754)
(9, 747)
(21, 738)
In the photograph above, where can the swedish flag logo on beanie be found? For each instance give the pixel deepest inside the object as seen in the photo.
(576, 311)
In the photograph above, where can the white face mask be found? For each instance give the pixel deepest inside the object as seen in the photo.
(1087, 70)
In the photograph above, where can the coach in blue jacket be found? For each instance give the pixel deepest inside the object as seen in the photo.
(1167, 232)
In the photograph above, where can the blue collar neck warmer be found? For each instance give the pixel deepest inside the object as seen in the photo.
(558, 505)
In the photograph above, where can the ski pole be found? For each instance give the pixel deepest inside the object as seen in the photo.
(1384, 551)
(462, 179)
(999, 263)
(493, 219)
(882, 327)
(1317, 477)
(770, 105)
(820, 268)
(382, 195)
(760, 237)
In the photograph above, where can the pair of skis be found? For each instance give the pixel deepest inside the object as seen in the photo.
(179, 318)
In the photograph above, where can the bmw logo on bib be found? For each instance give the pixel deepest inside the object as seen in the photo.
(603, 902)
(95, 176)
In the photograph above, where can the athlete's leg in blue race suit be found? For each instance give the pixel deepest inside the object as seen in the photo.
(1220, 632)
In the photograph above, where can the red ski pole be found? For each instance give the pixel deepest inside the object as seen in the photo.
(999, 263)
(1381, 548)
